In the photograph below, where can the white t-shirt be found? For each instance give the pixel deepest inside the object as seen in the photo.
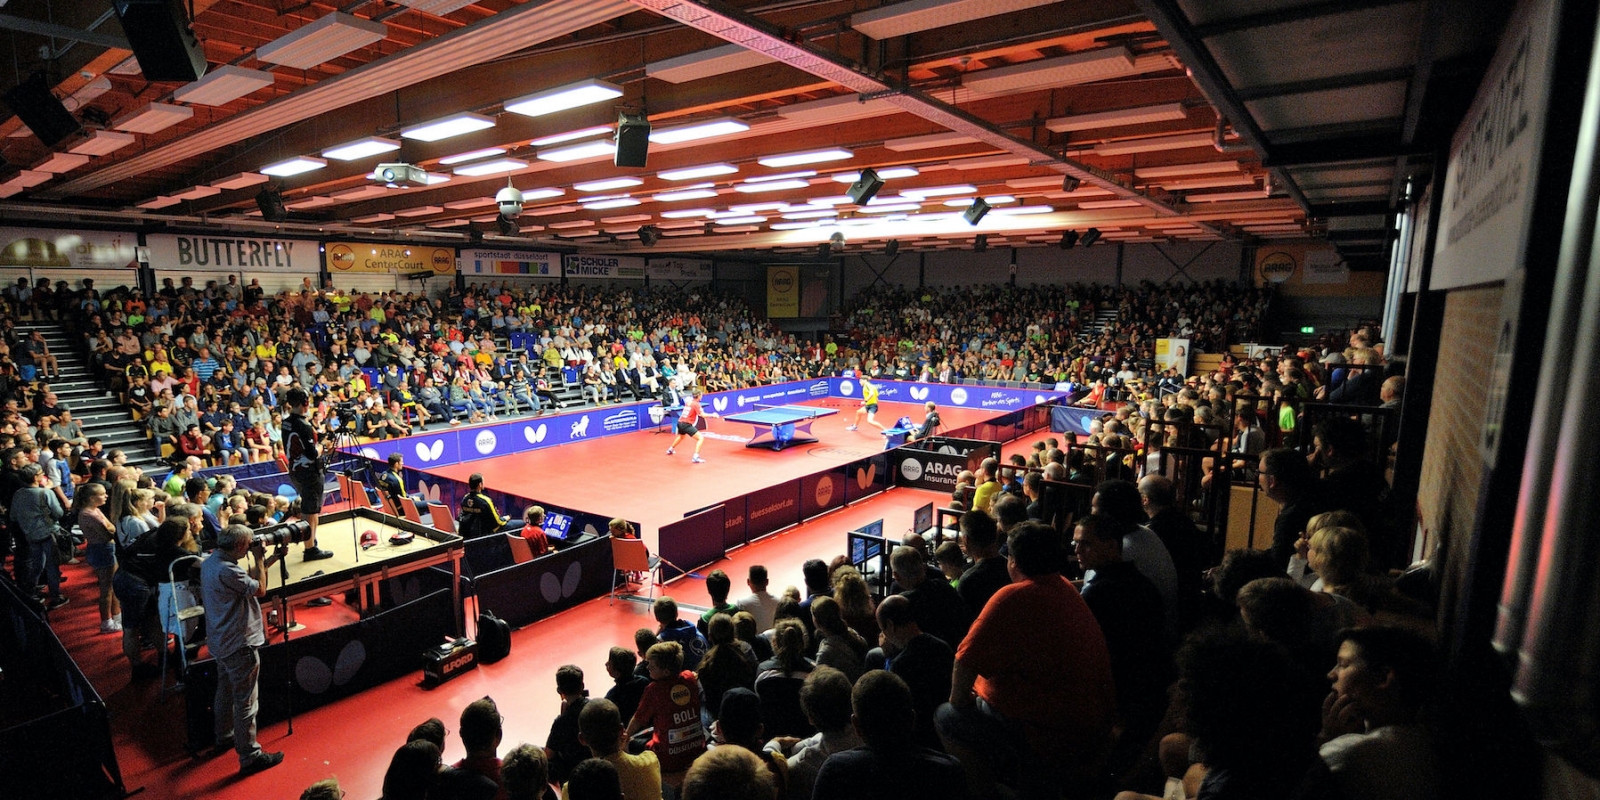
(1395, 762)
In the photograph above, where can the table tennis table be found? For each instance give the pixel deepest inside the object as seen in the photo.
(777, 427)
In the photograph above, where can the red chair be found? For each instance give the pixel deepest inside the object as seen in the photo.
(521, 551)
(630, 555)
(439, 517)
(408, 508)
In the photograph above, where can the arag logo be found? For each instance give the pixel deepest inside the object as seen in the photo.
(847, 388)
(485, 442)
(911, 470)
(783, 280)
(341, 258)
(1277, 267)
(442, 260)
(427, 452)
(958, 396)
(826, 486)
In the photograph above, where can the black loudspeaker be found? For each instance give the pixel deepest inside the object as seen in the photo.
(159, 32)
(270, 201)
(975, 212)
(507, 227)
(981, 243)
(1090, 237)
(633, 140)
(649, 235)
(1068, 239)
(865, 188)
(33, 103)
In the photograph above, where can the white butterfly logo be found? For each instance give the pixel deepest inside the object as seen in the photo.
(919, 394)
(426, 453)
(430, 492)
(534, 435)
(720, 404)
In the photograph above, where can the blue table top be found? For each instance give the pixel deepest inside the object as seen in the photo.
(778, 415)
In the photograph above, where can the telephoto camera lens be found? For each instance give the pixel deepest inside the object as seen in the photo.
(283, 534)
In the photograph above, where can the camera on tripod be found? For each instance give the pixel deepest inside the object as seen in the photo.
(283, 534)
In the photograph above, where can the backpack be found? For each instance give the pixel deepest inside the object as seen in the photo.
(494, 637)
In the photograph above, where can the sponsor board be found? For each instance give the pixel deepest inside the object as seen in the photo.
(230, 253)
(41, 247)
(587, 266)
(925, 470)
(347, 257)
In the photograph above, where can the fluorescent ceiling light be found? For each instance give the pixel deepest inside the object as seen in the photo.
(939, 191)
(608, 183)
(472, 156)
(690, 173)
(817, 214)
(1069, 70)
(686, 213)
(595, 198)
(581, 133)
(892, 199)
(1166, 112)
(770, 186)
(784, 176)
(322, 40)
(603, 147)
(995, 200)
(240, 180)
(1023, 210)
(928, 142)
(361, 148)
(293, 166)
(705, 64)
(153, 117)
(197, 192)
(102, 143)
(434, 178)
(900, 19)
(743, 220)
(793, 226)
(543, 193)
(223, 85)
(159, 201)
(830, 200)
(494, 167)
(620, 202)
(561, 98)
(59, 163)
(808, 157)
(747, 208)
(687, 194)
(1175, 170)
(698, 130)
(893, 208)
(888, 174)
(446, 127)
(1153, 144)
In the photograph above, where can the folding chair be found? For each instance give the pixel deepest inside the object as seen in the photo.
(439, 517)
(521, 551)
(408, 509)
(178, 602)
(630, 555)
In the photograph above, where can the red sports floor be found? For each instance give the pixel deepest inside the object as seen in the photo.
(354, 738)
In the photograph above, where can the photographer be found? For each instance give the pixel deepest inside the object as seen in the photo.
(306, 470)
(234, 630)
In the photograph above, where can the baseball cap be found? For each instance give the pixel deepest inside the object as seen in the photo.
(369, 539)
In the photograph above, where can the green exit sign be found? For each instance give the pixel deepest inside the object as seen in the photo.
(1307, 329)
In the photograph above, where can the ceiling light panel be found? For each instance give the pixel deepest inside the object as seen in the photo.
(928, 142)
(690, 173)
(446, 127)
(783, 176)
(687, 194)
(543, 193)
(900, 19)
(807, 157)
(705, 64)
(578, 152)
(939, 191)
(102, 143)
(293, 166)
(887, 173)
(322, 40)
(693, 131)
(561, 98)
(153, 118)
(770, 186)
(240, 180)
(1166, 112)
(472, 156)
(494, 167)
(1070, 70)
(223, 85)
(608, 183)
(741, 220)
(687, 213)
(361, 148)
(620, 202)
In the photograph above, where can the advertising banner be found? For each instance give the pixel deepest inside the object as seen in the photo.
(822, 491)
(1325, 266)
(947, 394)
(41, 247)
(925, 469)
(610, 267)
(1172, 353)
(679, 269)
(230, 253)
(471, 444)
(783, 292)
(370, 257)
(771, 509)
(866, 477)
(510, 262)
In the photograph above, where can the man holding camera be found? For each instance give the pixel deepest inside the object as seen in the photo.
(231, 594)
(306, 471)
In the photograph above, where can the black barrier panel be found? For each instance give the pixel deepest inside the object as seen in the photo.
(771, 509)
(331, 665)
(528, 592)
(411, 586)
(692, 542)
(927, 470)
(735, 521)
(867, 477)
(486, 554)
(822, 491)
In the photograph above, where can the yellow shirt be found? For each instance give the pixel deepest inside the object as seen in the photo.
(983, 498)
(640, 774)
(869, 394)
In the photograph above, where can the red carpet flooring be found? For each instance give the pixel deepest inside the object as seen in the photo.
(625, 475)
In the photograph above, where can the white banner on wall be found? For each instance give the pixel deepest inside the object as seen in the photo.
(679, 269)
(42, 247)
(613, 267)
(510, 263)
(1494, 159)
(1325, 266)
(231, 253)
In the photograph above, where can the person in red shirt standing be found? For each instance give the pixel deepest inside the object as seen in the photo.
(671, 708)
(1032, 685)
(687, 427)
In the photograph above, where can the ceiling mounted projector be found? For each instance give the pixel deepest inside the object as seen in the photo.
(400, 176)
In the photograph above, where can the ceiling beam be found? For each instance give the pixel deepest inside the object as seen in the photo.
(1283, 16)
(41, 28)
(1360, 147)
(1325, 84)
(1359, 208)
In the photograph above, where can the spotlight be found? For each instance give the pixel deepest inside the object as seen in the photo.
(975, 212)
(836, 242)
(865, 188)
(892, 249)
(981, 243)
(1090, 237)
(507, 226)
(649, 235)
(270, 201)
(1070, 184)
(1068, 239)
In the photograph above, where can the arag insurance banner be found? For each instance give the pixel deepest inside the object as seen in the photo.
(43, 247)
(347, 257)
